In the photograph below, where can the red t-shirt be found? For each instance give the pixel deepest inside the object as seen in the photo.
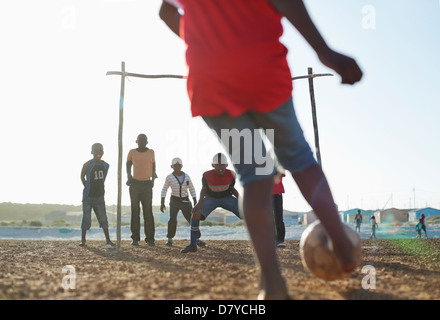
(218, 186)
(278, 186)
(236, 62)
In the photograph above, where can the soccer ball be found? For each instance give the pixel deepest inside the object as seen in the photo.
(317, 253)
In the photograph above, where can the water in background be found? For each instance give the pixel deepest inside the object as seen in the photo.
(293, 232)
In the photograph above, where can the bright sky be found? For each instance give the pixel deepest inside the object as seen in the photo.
(378, 139)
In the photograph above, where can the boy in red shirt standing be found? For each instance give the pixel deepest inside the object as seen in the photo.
(278, 209)
(239, 79)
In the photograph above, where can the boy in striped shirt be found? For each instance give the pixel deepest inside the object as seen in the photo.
(181, 186)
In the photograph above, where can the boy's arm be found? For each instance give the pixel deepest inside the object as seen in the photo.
(298, 16)
(192, 191)
(154, 175)
(128, 166)
(232, 186)
(202, 195)
(234, 192)
(196, 214)
(83, 173)
(199, 204)
(171, 16)
(163, 194)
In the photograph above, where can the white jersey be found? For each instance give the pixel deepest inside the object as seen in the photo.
(181, 186)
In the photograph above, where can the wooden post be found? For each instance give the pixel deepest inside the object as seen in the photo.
(121, 123)
(124, 74)
(315, 121)
(310, 77)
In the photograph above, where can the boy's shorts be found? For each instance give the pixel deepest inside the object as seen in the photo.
(229, 203)
(249, 156)
(98, 206)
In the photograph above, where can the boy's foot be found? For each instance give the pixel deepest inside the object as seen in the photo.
(82, 244)
(150, 243)
(201, 243)
(189, 248)
(344, 252)
(169, 242)
(109, 245)
(263, 296)
(276, 289)
(281, 244)
(135, 243)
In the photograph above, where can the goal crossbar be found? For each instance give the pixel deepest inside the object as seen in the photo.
(310, 76)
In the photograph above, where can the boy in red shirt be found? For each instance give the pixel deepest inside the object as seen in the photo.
(217, 191)
(239, 79)
(278, 209)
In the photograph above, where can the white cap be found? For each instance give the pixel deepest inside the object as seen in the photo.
(223, 159)
(175, 160)
(174, 3)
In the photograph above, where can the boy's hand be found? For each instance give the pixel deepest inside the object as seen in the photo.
(345, 66)
(196, 215)
(162, 207)
(197, 206)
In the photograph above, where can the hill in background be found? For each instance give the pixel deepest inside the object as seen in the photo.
(36, 212)
(17, 214)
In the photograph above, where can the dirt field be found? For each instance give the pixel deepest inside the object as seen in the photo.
(223, 270)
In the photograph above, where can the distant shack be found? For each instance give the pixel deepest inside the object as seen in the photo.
(391, 216)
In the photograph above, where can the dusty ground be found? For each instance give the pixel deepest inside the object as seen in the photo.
(223, 270)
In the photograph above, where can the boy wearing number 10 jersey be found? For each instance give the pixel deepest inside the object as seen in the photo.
(93, 176)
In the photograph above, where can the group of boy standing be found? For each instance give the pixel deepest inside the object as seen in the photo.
(218, 190)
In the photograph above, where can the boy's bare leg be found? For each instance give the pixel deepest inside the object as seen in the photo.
(83, 237)
(257, 211)
(315, 189)
(107, 235)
